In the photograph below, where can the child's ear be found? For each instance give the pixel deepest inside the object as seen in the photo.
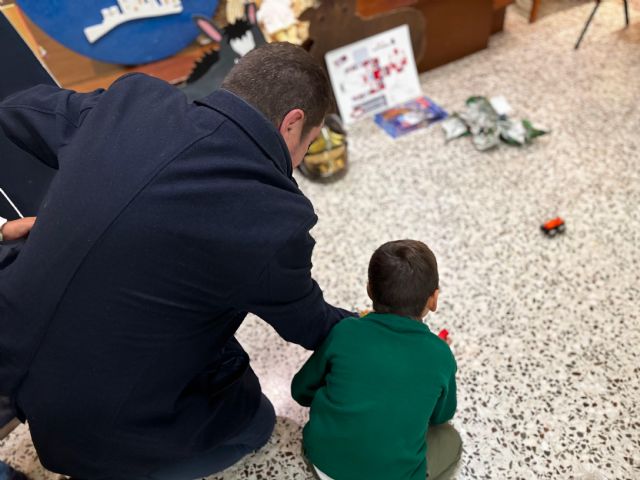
(369, 291)
(432, 303)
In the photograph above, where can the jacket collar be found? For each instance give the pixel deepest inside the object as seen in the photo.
(254, 124)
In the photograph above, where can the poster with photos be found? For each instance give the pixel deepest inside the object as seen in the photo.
(373, 74)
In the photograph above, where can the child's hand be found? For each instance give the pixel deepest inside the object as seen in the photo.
(364, 312)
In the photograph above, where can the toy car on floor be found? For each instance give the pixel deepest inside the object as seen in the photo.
(553, 227)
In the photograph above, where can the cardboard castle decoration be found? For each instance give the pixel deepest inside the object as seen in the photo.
(127, 11)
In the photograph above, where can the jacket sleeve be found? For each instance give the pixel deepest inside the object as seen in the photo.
(290, 300)
(311, 376)
(42, 119)
(446, 404)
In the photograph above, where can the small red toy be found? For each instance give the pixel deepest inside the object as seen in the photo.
(444, 334)
(553, 227)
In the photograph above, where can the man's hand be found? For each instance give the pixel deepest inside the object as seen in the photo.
(15, 229)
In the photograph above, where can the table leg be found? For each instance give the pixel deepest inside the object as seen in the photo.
(534, 11)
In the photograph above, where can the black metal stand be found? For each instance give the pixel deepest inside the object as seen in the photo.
(626, 12)
(593, 13)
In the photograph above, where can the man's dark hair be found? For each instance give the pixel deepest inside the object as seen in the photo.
(402, 276)
(279, 77)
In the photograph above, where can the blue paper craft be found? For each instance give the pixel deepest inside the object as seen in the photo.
(407, 117)
(127, 32)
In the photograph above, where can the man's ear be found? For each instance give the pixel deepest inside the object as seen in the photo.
(292, 125)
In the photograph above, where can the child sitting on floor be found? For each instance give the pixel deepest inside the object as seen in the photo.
(379, 385)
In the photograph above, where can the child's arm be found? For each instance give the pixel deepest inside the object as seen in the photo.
(312, 374)
(446, 404)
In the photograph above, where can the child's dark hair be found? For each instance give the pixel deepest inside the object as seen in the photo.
(402, 276)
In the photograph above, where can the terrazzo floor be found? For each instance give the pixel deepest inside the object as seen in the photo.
(546, 331)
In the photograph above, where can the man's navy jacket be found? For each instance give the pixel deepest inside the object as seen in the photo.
(165, 224)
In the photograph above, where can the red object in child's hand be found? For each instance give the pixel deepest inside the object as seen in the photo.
(444, 334)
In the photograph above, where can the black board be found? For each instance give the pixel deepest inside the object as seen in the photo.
(22, 177)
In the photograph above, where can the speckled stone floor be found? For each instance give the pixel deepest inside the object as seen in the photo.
(546, 332)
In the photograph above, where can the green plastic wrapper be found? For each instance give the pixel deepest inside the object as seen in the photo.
(487, 128)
